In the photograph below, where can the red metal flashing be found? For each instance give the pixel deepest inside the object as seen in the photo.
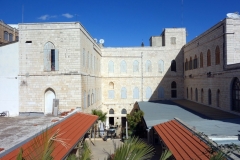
(181, 142)
(72, 129)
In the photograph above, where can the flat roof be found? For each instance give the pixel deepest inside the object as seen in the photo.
(71, 130)
(160, 112)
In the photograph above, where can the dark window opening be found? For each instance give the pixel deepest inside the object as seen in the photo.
(28, 42)
(52, 59)
(209, 97)
(173, 66)
(236, 95)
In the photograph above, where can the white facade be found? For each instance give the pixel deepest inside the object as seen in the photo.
(9, 83)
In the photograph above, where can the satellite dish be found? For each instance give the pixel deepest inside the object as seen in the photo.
(233, 15)
(95, 39)
(101, 41)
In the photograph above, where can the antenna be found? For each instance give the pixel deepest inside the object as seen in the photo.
(22, 12)
(182, 14)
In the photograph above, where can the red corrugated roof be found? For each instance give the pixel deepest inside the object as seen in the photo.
(72, 129)
(181, 142)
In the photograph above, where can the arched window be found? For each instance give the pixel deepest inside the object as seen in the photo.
(173, 66)
(136, 93)
(186, 65)
(191, 93)
(135, 66)
(10, 37)
(92, 98)
(190, 63)
(148, 93)
(209, 97)
(111, 85)
(111, 111)
(201, 60)
(85, 100)
(196, 94)
(195, 62)
(236, 95)
(111, 91)
(124, 111)
(218, 98)
(174, 89)
(217, 55)
(110, 67)
(148, 66)
(88, 100)
(123, 67)
(50, 57)
(5, 35)
(160, 92)
(187, 93)
(160, 66)
(208, 58)
(83, 62)
(123, 93)
(202, 96)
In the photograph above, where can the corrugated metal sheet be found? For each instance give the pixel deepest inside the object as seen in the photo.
(72, 129)
(181, 142)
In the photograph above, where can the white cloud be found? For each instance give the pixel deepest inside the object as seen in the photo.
(67, 15)
(46, 16)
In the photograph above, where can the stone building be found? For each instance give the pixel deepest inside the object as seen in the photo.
(7, 33)
(60, 64)
(62, 61)
(212, 67)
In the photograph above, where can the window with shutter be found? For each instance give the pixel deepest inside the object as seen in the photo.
(136, 93)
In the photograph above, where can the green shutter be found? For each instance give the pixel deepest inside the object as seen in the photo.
(56, 60)
(47, 60)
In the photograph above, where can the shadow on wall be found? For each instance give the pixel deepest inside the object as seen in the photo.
(171, 85)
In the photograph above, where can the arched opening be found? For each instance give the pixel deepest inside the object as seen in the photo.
(202, 94)
(209, 97)
(111, 85)
(196, 94)
(161, 93)
(124, 111)
(236, 95)
(191, 93)
(218, 98)
(173, 66)
(49, 97)
(174, 89)
(111, 119)
(217, 55)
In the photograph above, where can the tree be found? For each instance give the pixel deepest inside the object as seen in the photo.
(132, 149)
(134, 119)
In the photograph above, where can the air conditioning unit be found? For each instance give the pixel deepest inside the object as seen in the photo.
(55, 107)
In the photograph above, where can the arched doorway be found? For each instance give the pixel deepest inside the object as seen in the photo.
(236, 95)
(49, 97)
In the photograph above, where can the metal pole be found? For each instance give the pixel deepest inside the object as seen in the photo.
(126, 130)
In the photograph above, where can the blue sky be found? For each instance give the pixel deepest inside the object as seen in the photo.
(122, 23)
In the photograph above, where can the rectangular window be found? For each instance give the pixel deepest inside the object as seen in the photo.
(111, 94)
(10, 37)
(52, 59)
(5, 35)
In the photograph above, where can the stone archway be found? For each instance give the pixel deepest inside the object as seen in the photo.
(49, 97)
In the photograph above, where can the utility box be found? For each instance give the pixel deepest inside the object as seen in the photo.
(55, 107)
